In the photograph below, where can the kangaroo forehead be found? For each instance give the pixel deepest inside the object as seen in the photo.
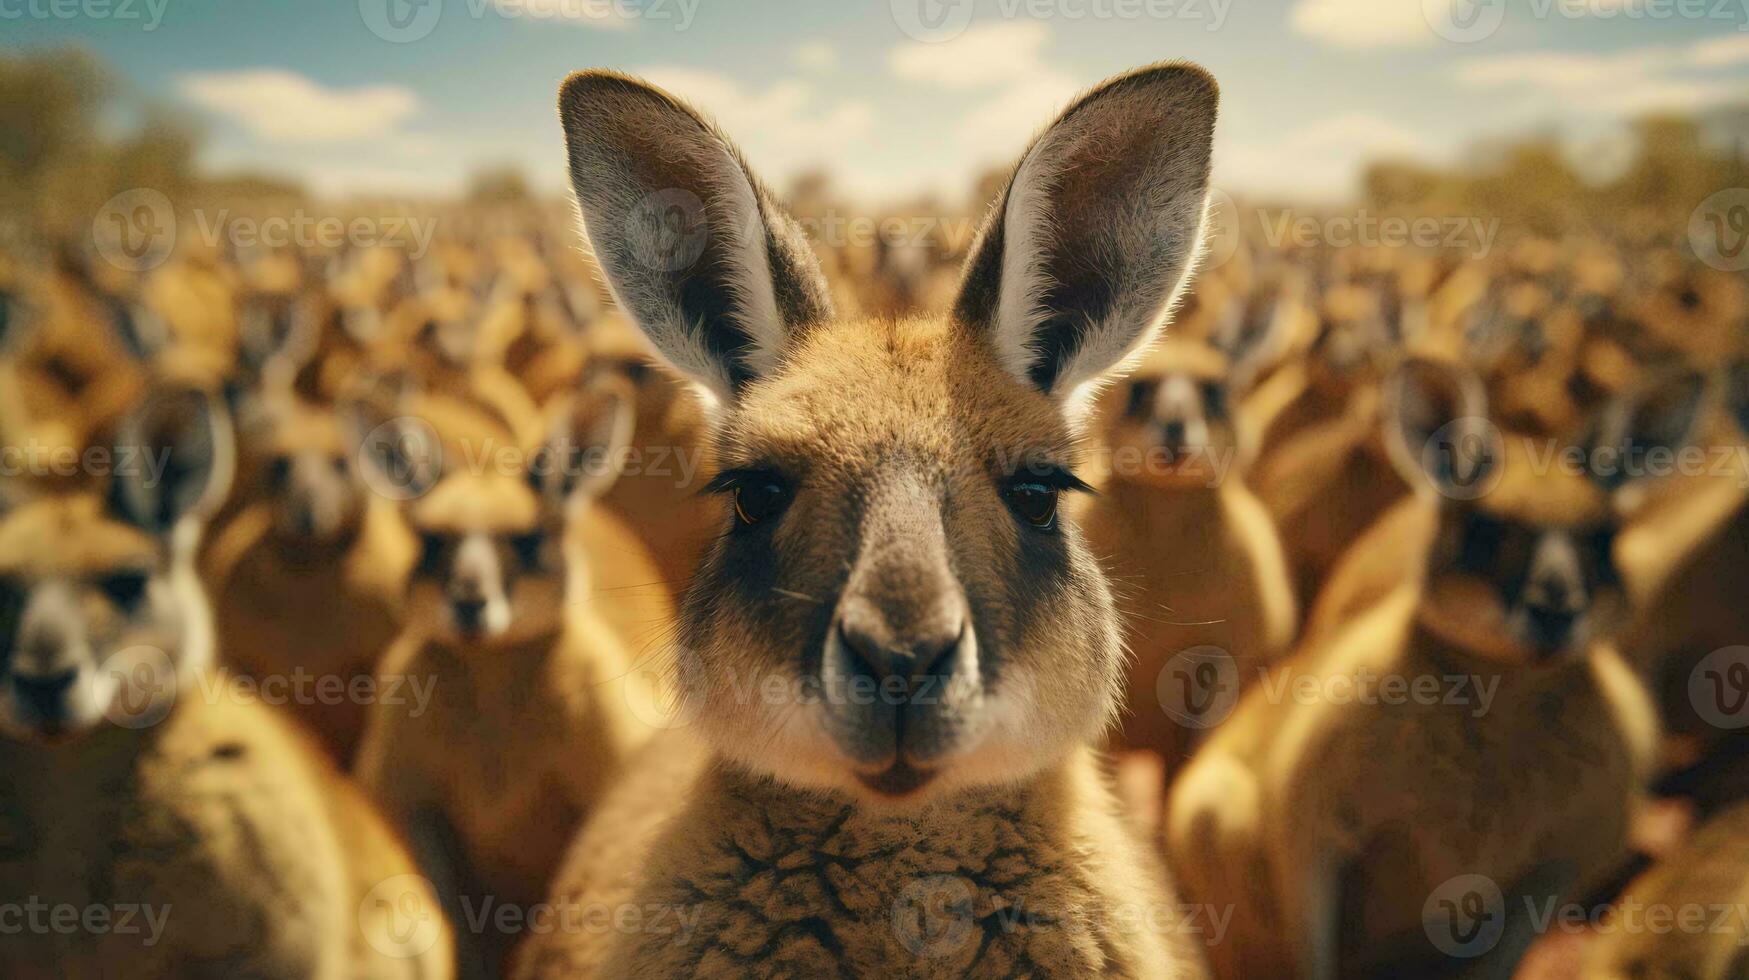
(855, 389)
(69, 536)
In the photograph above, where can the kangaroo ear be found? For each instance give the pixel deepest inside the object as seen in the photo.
(1088, 247)
(400, 455)
(586, 445)
(1257, 330)
(688, 240)
(175, 454)
(1659, 417)
(1436, 427)
(1737, 392)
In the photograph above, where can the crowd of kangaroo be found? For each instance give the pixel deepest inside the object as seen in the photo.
(1079, 605)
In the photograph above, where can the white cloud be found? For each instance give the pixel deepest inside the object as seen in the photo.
(984, 55)
(785, 127)
(1635, 80)
(581, 13)
(1364, 23)
(1720, 51)
(816, 55)
(1323, 158)
(283, 106)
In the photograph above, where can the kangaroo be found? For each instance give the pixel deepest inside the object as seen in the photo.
(1330, 819)
(1684, 918)
(1195, 555)
(897, 653)
(1322, 473)
(318, 540)
(532, 700)
(133, 780)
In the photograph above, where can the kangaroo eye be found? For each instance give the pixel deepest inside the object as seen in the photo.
(528, 548)
(430, 553)
(760, 499)
(125, 589)
(1034, 503)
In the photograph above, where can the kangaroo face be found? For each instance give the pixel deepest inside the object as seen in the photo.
(493, 566)
(1523, 569)
(312, 485)
(101, 612)
(895, 606)
(488, 569)
(1172, 421)
(1534, 590)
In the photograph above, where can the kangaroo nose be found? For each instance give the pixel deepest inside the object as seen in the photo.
(46, 697)
(469, 612)
(880, 651)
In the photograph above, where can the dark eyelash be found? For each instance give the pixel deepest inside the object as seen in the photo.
(1050, 476)
(728, 480)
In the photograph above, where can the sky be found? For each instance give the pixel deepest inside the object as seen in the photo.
(894, 98)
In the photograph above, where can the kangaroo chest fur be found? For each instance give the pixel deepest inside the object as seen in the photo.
(1545, 768)
(204, 841)
(758, 879)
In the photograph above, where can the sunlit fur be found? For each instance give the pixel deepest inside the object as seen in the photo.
(138, 789)
(854, 407)
(1328, 820)
(1196, 559)
(535, 697)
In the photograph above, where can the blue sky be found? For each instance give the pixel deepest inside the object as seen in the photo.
(892, 106)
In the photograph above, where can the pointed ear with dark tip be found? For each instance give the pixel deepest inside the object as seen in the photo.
(1087, 248)
(16, 321)
(1436, 427)
(1736, 392)
(688, 240)
(1259, 328)
(400, 455)
(142, 333)
(1657, 419)
(174, 457)
(586, 445)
